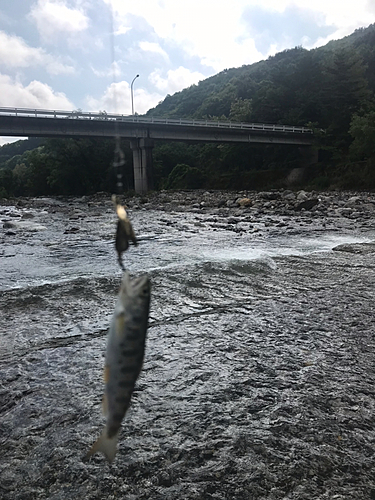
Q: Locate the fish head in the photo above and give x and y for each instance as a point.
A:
(139, 287)
(142, 287)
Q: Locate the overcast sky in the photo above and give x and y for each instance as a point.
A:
(70, 54)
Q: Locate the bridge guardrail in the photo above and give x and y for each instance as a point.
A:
(81, 115)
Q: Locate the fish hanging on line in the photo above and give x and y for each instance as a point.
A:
(124, 358)
(124, 231)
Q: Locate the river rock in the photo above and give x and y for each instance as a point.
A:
(368, 207)
(344, 211)
(27, 215)
(302, 196)
(288, 195)
(269, 195)
(353, 201)
(307, 204)
(44, 202)
(231, 203)
(356, 248)
(244, 202)
(24, 226)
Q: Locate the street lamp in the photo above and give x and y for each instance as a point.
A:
(131, 92)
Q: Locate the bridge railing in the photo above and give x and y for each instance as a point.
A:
(81, 115)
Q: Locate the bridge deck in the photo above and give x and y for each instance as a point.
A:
(46, 123)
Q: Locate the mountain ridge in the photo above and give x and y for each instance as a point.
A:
(214, 96)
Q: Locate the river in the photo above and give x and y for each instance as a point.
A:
(259, 374)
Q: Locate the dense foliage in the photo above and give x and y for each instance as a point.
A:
(330, 89)
(64, 166)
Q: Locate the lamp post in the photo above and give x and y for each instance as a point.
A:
(131, 92)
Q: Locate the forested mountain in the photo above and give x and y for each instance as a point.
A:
(295, 86)
(330, 89)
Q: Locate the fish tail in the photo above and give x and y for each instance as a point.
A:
(108, 446)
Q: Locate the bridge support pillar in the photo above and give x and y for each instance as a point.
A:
(142, 164)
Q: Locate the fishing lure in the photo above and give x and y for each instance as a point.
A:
(124, 231)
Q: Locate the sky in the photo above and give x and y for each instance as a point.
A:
(84, 54)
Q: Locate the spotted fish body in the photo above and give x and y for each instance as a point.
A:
(124, 358)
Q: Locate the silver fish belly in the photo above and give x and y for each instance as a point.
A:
(124, 358)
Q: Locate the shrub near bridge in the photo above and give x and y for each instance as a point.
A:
(185, 177)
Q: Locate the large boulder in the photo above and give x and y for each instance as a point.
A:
(244, 202)
(307, 204)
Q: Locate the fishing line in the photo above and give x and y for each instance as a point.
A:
(124, 231)
(119, 157)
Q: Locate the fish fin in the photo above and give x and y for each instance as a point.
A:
(106, 374)
(108, 446)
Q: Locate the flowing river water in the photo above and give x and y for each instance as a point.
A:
(259, 374)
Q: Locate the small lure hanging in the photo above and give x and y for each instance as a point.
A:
(124, 232)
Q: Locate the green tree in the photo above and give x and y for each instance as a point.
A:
(185, 177)
(269, 101)
(78, 166)
(6, 183)
(40, 164)
(362, 129)
(241, 110)
(167, 155)
(345, 94)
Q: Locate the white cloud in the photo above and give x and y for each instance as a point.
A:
(209, 32)
(122, 30)
(213, 32)
(54, 18)
(145, 52)
(54, 67)
(15, 53)
(114, 71)
(348, 17)
(371, 6)
(144, 100)
(117, 99)
(8, 140)
(153, 48)
(176, 80)
(35, 95)
(347, 14)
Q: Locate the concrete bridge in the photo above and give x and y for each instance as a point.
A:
(143, 131)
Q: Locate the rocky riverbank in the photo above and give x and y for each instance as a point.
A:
(350, 204)
(284, 202)
(239, 211)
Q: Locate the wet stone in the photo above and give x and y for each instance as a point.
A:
(356, 248)
(307, 204)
